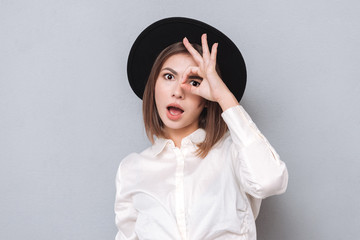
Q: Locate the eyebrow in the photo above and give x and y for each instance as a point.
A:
(175, 73)
(195, 77)
(171, 70)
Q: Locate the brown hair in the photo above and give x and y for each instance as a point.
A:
(210, 118)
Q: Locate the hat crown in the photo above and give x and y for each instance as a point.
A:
(161, 34)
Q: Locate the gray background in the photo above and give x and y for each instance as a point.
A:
(68, 116)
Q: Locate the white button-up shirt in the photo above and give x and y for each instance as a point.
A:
(167, 192)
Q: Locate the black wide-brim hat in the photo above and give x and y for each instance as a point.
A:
(165, 32)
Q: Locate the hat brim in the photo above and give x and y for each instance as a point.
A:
(165, 32)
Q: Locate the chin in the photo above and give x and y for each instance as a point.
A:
(174, 125)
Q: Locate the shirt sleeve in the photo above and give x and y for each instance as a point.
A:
(126, 214)
(257, 165)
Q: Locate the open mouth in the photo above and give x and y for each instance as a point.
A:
(174, 110)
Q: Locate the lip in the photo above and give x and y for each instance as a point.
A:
(175, 105)
(174, 117)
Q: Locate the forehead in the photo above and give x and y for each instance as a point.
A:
(180, 60)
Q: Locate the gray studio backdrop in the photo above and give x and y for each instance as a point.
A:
(68, 116)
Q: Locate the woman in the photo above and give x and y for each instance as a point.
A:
(209, 165)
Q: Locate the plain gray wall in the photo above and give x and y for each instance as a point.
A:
(68, 115)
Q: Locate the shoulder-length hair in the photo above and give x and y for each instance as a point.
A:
(210, 118)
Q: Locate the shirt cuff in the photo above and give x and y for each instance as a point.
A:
(242, 129)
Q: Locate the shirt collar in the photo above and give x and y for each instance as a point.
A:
(194, 138)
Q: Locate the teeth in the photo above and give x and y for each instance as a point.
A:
(175, 111)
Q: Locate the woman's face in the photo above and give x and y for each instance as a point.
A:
(178, 108)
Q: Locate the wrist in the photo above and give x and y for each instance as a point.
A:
(227, 101)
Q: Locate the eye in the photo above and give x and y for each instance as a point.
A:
(168, 76)
(194, 83)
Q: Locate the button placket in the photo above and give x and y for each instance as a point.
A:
(180, 201)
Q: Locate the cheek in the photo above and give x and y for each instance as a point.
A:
(200, 102)
(161, 99)
(198, 105)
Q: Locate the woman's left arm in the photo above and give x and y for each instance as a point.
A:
(256, 163)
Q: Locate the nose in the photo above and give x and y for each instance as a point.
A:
(178, 92)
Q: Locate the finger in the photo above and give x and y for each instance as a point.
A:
(186, 87)
(195, 54)
(190, 71)
(205, 47)
(191, 89)
(214, 52)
